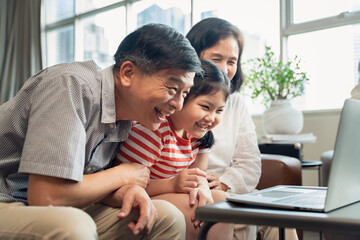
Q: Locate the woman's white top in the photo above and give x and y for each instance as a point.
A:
(235, 157)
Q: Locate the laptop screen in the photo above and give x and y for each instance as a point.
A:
(344, 179)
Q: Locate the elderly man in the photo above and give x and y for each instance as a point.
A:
(60, 133)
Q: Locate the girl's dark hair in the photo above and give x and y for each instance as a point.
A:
(208, 32)
(153, 47)
(210, 81)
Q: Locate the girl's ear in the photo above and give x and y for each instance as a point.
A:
(126, 73)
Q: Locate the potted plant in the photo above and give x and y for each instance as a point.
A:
(276, 83)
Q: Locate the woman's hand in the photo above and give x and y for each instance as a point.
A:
(188, 179)
(214, 182)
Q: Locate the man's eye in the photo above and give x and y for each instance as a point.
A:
(172, 91)
(184, 94)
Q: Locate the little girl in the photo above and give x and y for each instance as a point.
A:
(177, 152)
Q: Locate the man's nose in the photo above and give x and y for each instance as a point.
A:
(177, 102)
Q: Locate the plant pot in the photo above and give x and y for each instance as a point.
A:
(282, 118)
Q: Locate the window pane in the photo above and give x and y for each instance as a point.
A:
(259, 25)
(56, 10)
(307, 10)
(60, 46)
(170, 12)
(87, 5)
(101, 35)
(331, 59)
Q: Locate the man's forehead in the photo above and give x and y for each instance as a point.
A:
(179, 75)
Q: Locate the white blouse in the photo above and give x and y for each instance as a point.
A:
(235, 157)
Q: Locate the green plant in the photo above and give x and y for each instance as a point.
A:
(274, 80)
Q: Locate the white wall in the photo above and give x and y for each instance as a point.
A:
(323, 124)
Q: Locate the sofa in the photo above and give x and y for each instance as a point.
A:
(279, 170)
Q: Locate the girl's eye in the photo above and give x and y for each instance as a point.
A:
(205, 107)
(220, 111)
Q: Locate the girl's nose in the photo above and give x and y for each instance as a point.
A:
(210, 117)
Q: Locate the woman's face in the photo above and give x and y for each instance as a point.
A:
(224, 54)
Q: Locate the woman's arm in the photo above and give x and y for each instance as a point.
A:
(235, 157)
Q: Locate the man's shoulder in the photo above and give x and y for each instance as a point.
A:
(81, 68)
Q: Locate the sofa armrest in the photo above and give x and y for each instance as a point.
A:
(279, 170)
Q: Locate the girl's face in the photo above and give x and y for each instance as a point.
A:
(224, 54)
(199, 115)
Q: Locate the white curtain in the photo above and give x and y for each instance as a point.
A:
(20, 44)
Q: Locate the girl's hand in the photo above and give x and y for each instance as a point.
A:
(203, 194)
(188, 179)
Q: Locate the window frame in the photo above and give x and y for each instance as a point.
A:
(289, 28)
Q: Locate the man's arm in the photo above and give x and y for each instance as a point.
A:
(45, 190)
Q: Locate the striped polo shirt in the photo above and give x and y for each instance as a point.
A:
(162, 151)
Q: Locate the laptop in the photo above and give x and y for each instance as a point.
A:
(344, 179)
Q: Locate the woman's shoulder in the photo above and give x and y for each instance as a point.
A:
(236, 101)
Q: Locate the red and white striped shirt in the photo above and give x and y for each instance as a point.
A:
(163, 151)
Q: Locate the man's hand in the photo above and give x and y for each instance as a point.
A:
(135, 174)
(135, 197)
(188, 179)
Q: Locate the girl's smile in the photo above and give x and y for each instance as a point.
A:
(199, 115)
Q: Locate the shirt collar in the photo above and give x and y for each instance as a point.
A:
(108, 114)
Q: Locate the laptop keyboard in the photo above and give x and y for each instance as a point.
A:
(313, 199)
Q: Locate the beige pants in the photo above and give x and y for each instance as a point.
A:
(98, 221)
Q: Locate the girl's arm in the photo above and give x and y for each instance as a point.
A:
(160, 186)
(201, 161)
(181, 183)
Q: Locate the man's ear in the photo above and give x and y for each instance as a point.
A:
(127, 73)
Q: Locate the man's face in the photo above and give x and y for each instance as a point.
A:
(160, 95)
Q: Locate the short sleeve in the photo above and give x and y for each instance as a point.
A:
(143, 146)
(56, 137)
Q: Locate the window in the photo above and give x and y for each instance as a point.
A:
(60, 45)
(325, 34)
(308, 10)
(327, 39)
(174, 13)
(100, 35)
(78, 30)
